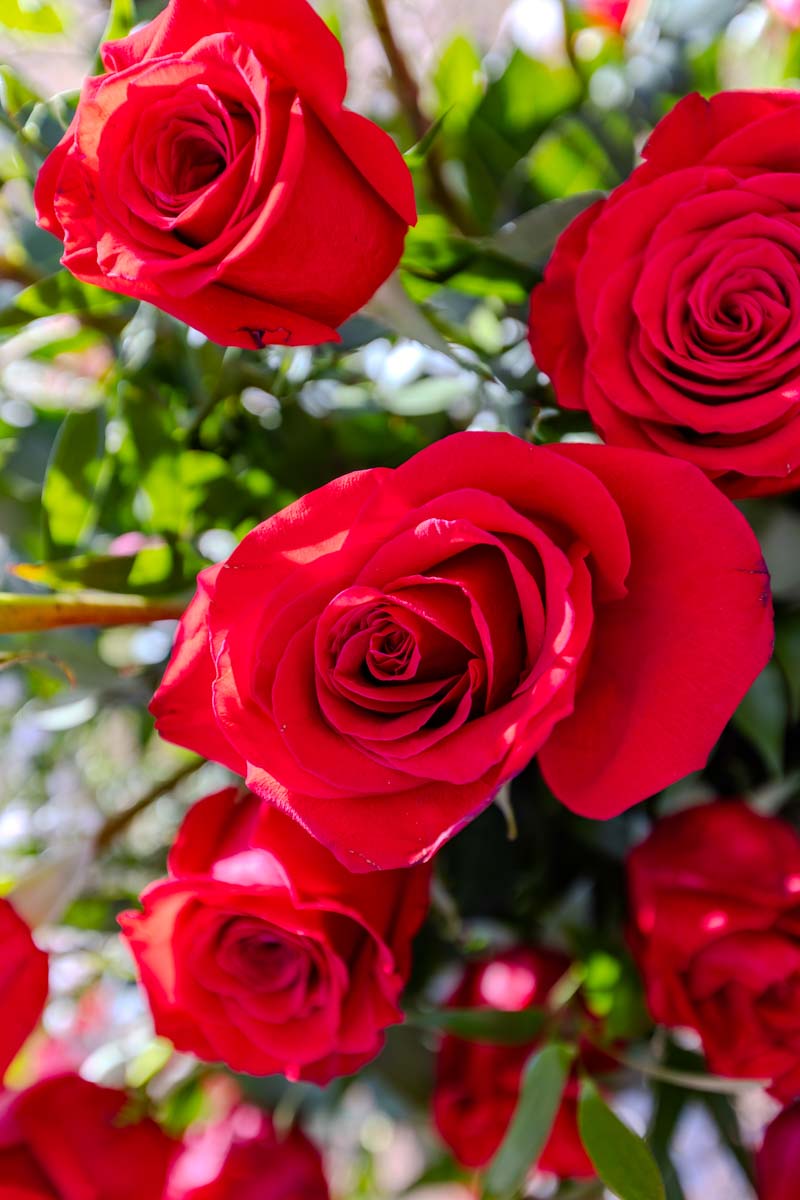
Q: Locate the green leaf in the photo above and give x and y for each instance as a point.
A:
(15, 94)
(621, 1158)
(152, 571)
(415, 155)
(787, 655)
(763, 714)
(460, 82)
(59, 293)
(483, 1024)
(77, 476)
(543, 1082)
(175, 487)
(530, 238)
(30, 16)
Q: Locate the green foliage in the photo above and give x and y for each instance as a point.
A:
(543, 1081)
(31, 16)
(483, 1024)
(74, 486)
(621, 1159)
(762, 716)
(61, 293)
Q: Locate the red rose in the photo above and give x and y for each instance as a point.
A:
(715, 901)
(66, 1139)
(671, 311)
(23, 984)
(262, 951)
(477, 1084)
(381, 656)
(778, 1160)
(242, 1158)
(611, 13)
(214, 172)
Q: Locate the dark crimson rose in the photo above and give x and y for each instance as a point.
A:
(66, 1139)
(477, 1084)
(778, 1160)
(214, 172)
(242, 1158)
(23, 984)
(263, 952)
(671, 310)
(715, 903)
(381, 656)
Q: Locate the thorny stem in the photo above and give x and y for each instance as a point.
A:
(118, 823)
(407, 91)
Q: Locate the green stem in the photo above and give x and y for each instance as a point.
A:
(407, 92)
(30, 614)
(116, 825)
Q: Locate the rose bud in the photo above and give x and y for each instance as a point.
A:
(241, 1157)
(214, 172)
(715, 908)
(477, 1084)
(23, 983)
(671, 310)
(66, 1139)
(380, 657)
(778, 1160)
(261, 951)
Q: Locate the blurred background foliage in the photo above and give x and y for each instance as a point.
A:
(133, 452)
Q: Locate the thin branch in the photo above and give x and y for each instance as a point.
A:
(407, 91)
(118, 823)
(24, 613)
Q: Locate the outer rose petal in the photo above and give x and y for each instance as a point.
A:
(696, 126)
(670, 662)
(23, 983)
(70, 1130)
(189, 676)
(778, 1160)
(243, 1158)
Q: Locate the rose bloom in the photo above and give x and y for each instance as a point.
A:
(381, 656)
(66, 1139)
(786, 11)
(610, 13)
(477, 1084)
(671, 310)
(262, 951)
(715, 906)
(214, 172)
(241, 1157)
(23, 983)
(778, 1160)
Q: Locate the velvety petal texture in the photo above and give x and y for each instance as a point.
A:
(778, 1160)
(214, 172)
(715, 912)
(66, 1139)
(261, 951)
(671, 310)
(477, 1084)
(23, 983)
(380, 657)
(242, 1157)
